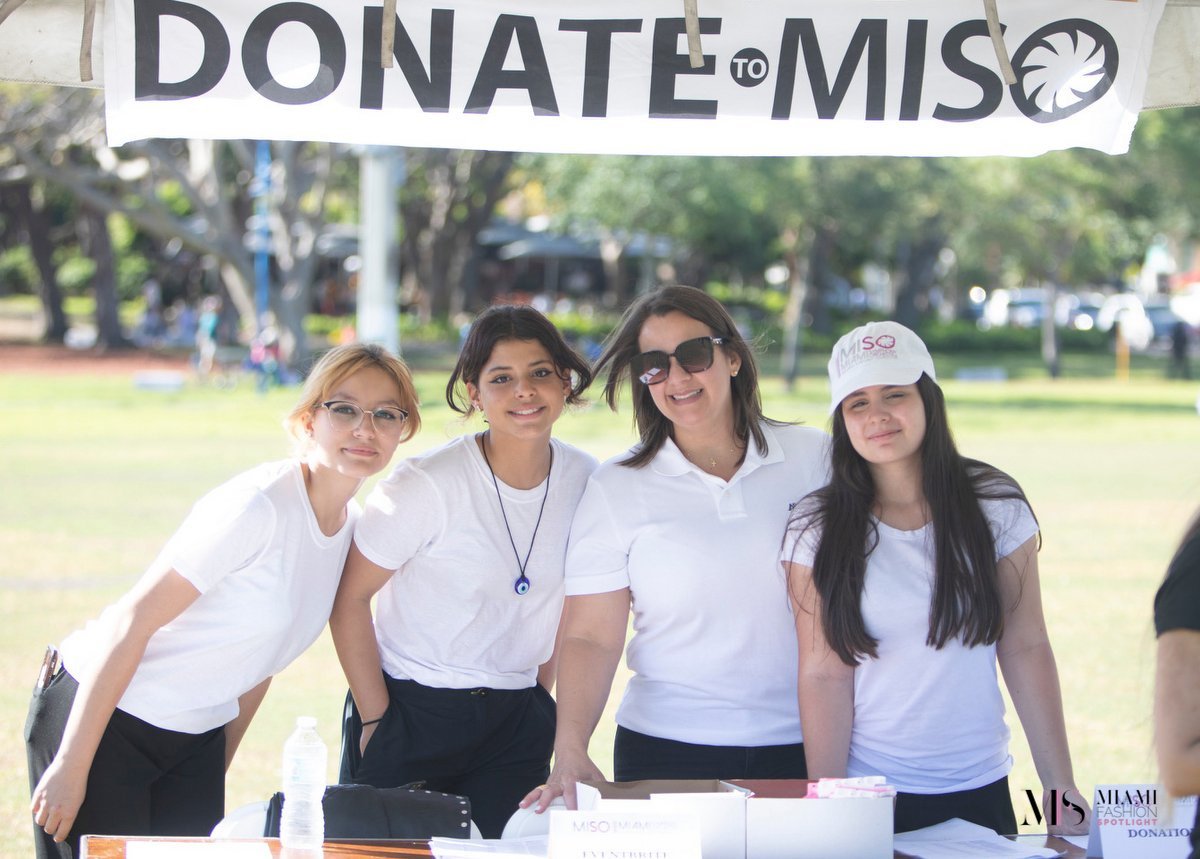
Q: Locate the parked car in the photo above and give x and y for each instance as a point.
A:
(1079, 310)
(1163, 319)
(1019, 308)
(1145, 326)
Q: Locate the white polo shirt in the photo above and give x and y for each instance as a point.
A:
(714, 646)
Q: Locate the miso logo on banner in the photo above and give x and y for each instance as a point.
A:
(777, 77)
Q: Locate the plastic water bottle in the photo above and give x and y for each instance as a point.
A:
(302, 826)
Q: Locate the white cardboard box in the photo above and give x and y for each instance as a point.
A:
(782, 824)
(718, 807)
(760, 819)
(818, 828)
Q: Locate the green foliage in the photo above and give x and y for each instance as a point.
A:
(133, 270)
(75, 273)
(764, 302)
(323, 326)
(434, 331)
(961, 336)
(175, 197)
(1073, 340)
(583, 325)
(18, 273)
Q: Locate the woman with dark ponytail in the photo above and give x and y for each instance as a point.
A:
(912, 573)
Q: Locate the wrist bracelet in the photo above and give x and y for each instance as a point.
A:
(372, 721)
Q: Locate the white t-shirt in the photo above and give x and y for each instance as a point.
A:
(930, 720)
(449, 617)
(267, 577)
(714, 645)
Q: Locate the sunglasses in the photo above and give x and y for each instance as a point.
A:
(694, 356)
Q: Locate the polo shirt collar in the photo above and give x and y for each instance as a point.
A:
(670, 461)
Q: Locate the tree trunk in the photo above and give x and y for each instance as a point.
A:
(290, 310)
(920, 273)
(793, 315)
(612, 257)
(37, 229)
(104, 283)
(816, 304)
(1050, 350)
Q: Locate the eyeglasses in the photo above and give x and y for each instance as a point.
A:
(694, 356)
(347, 416)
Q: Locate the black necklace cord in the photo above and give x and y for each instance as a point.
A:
(522, 585)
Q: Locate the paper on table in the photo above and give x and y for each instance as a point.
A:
(197, 850)
(491, 848)
(959, 839)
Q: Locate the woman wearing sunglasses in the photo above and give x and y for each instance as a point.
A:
(450, 682)
(134, 734)
(683, 530)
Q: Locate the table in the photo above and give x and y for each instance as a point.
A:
(113, 847)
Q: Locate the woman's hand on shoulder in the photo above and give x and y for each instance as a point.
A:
(566, 771)
(58, 797)
(1073, 813)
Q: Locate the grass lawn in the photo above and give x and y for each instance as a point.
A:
(95, 474)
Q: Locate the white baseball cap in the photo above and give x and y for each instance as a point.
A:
(878, 353)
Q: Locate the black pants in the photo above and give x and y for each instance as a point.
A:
(144, 780)
(990, 806)
(639, 756)
(492, 746)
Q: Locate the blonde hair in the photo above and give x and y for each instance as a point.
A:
(340, 363)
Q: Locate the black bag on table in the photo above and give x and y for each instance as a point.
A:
(363, 811)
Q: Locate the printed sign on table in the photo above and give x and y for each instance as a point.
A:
(623, 835)
(1140, 821)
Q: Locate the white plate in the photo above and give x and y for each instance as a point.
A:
(526, 823)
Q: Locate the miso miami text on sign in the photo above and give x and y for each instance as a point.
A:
(859, 77)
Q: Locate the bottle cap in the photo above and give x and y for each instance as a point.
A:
(309, 722)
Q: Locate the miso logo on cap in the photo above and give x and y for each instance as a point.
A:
(866, 348)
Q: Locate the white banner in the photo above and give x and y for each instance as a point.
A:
(780, 77)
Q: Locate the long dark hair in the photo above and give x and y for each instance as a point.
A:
(966, 592)
(513, 322)
(622, 345)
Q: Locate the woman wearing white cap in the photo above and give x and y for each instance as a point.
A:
(912, 573)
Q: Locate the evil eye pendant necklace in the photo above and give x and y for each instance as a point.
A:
(522, 584)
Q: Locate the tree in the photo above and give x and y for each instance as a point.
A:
(195, 191)
(448, 197)
(18, 198)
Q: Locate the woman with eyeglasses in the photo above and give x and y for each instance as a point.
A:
(133, 734)
(683, 530)
(464, 546)
(913, 573)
